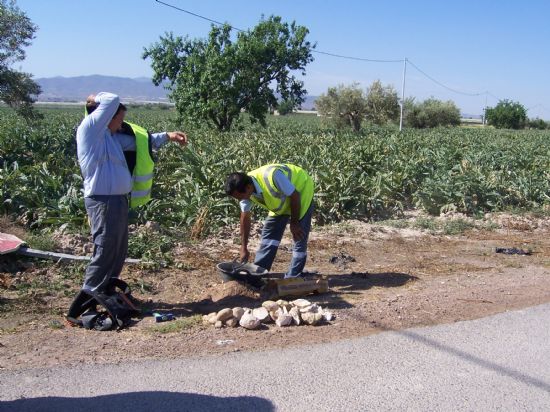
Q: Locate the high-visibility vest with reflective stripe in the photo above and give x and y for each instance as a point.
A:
(142, 179)
(276, 201)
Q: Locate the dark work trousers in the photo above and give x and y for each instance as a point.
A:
(272, 233)
(109, 223)
(108, 217)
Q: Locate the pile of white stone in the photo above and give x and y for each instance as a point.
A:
(283, 313)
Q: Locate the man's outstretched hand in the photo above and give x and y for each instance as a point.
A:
(178, 137)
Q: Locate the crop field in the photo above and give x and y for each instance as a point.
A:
(389, 264)
(372, 175)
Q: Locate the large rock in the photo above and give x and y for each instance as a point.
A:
(231, 322)
(261, 314)
(295, 313)
(224, 314)
(301, 303)
(314, 308)
(284, 304)
(270, 305)
(283, 318)
(238, 312)
(212, 318)
(249, 321)
(311, 318)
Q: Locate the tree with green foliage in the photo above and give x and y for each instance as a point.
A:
(537, 124)
(16, 32)
(215, 79)
(286, 107)
(431, 113)
(507, 115)
(344, 106)
(382, 103)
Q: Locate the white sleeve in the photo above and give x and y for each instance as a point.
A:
(100, 118)
(282, 183)
(245, 205)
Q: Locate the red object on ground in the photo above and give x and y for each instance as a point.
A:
(9, 243)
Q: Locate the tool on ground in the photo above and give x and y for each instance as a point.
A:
(163, 317)
(12, 244)
(244, 272)
(273, 284)
(512, 251)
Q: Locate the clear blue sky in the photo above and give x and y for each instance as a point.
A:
(471, 46)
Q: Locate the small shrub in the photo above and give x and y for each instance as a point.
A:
(432, 113)
(177, 325)
(151, 247)
(41, 241)
(426, 223)
(286, 107)
(396, 223)
(537, 124)
(456, 226)
(507, 115)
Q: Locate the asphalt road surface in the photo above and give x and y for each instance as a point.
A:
(496, 363)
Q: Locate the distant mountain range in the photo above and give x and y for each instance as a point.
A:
(76, 89)
(136, 90)
(140, 89)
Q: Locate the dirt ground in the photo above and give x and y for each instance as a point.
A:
(381, 278)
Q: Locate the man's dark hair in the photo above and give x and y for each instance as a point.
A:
(120, 108)
(90, 107)
(236, 182)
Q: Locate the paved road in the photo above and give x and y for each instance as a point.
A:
(496, 363)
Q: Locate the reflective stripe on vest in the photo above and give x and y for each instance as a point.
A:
(142, 179)
(276, 201)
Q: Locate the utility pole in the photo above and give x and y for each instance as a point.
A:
(403, 94)
(485, 110)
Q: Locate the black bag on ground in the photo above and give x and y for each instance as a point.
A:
(117, 301)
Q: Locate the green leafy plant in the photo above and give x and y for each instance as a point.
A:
(382, 104)
(507, 115)
(344, 106)
(371, 175)
(431, 113)
(17, 89)
(214, 79)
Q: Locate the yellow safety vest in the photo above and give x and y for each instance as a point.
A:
(142, 179)
(276, 201)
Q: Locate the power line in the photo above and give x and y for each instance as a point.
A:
(196, 15)
(486, 93)
(441, 84)
(313, 50)
(358, 58)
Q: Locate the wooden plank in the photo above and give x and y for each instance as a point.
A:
(277, 288)
(63, 257)
(300, 287)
